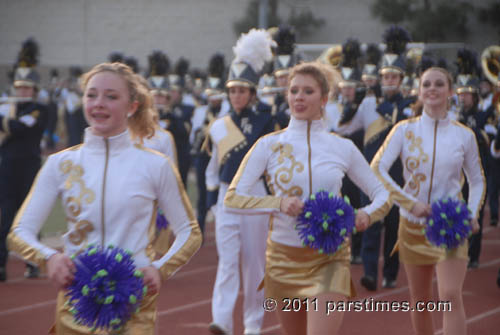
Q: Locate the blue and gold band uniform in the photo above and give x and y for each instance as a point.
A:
(347, 106)
(467, 84)
(180, 115)
(202, 119)
(22, 125)
(378, 117)
(285, 57)
(241, 239)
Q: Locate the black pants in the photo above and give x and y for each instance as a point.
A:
(475, 239)
(16, 177)
(493, 180)
(200, 163)
(184, 160)
(75, 126)
(354, 194)
(370, 249)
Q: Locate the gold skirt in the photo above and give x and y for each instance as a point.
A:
(414, 248)
(294, 272)
(141, 323)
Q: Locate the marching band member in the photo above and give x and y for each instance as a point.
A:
(467, 89)
(239, 237)
(377, 119)
(182, 114)
(203, 118)
(22, 125)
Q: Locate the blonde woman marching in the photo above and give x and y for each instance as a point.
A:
(299, 161)
(109, 195)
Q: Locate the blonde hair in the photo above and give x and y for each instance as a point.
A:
(418, 106)
(443, 71)
(322, 73)
(141, 123)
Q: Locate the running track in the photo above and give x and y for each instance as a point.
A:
(27, 306)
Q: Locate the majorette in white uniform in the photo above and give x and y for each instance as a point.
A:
(434, 154)
(110, 189)
(299, 161)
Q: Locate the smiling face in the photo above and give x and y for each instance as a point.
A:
(107, 104)
(435, 90)
(305, 98)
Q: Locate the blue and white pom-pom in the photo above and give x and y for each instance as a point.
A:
(107, 288)
(325, 222)
(161, 221)
(449, 224)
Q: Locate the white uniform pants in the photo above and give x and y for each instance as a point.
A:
(239, 238)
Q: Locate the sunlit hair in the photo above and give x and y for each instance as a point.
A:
(418, 106)
(141, 124)
(439, 69)
(320, 72)
(146, 100)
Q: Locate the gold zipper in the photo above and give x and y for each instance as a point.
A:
(309, 155)
(433, 161)
(103, 231)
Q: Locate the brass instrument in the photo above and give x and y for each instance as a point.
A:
(332, 56)
(415, 54)
(490, 62)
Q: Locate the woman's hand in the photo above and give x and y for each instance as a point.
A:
(61, 269)
(421, 210)
(292, 206)
(362, 221)
(475, 226)
(151, 279)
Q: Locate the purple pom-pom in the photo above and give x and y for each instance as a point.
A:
(325, 222)
(449, 224)
(107, 288)
(161, 221)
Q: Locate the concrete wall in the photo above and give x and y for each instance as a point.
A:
(84, 32)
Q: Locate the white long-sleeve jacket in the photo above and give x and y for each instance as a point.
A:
(434, 153)
(110, 189)
(162, 141)
(299, 161)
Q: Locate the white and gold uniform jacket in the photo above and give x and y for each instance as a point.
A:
(110, 189)
(299, 161)
(434, 153)
(162, 141)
